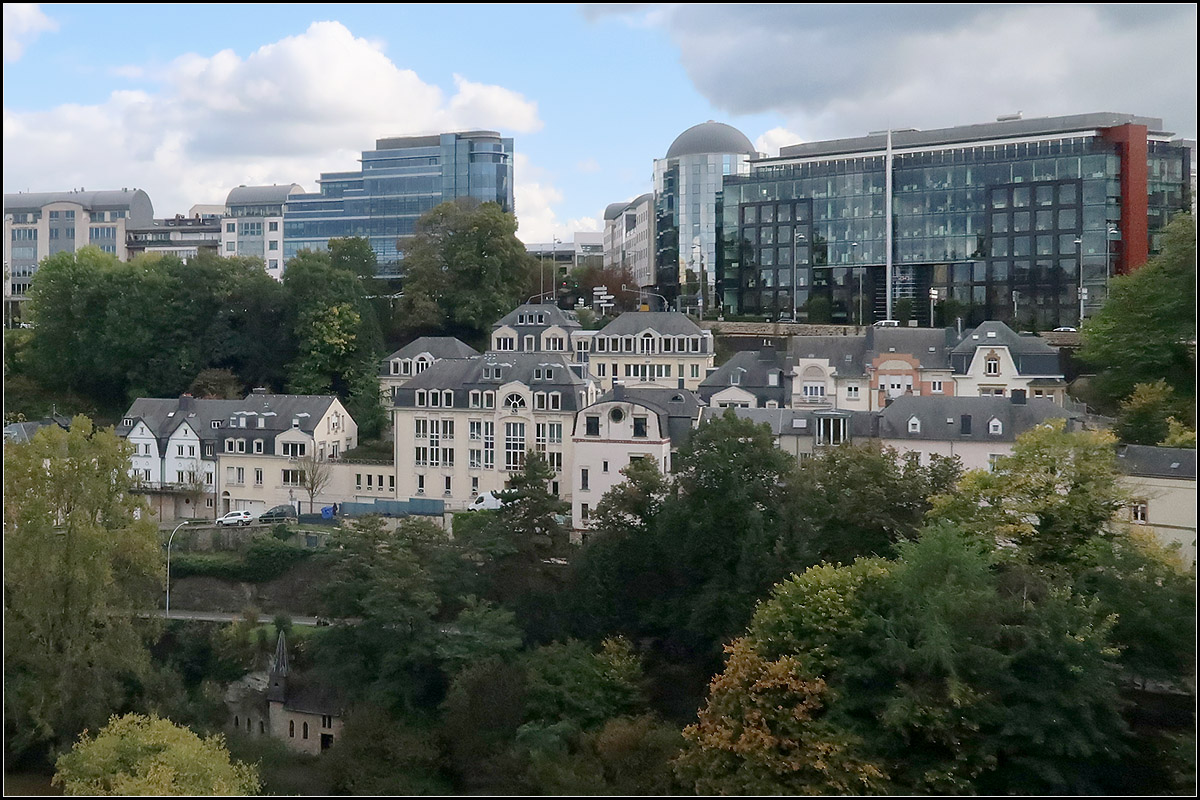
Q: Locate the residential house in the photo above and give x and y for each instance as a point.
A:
(540, 328)
(995, 360)
(622, 426)
(652, 347)
(749, 379)
(414, 358)
(463, 426)
(1162, 485)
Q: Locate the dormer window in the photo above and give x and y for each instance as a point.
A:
(995, 427)
(262, 422)
(128, 422)
(448, 399)
(216, 423)
(914, 425)
(735, 377)
(395, 367)
(476, 398)
(489, 399)
(420, 398)
(773, 379)
(295, 422)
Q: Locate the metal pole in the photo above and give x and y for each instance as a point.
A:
(796, 240)
(887, 214)
(1108, 232)
(170, 539)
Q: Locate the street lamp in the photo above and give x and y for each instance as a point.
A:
(1079, 266)
(800, 237)
(169, 540)
(1108, 256)
(933, 296)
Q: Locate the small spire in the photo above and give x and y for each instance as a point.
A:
(279, 666)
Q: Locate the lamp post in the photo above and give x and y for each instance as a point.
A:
(1108, 256)
(933, 296)
(797, 239)
(1016, 294)
(169, 540)
(1079, 266)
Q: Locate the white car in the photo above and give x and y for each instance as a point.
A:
(1065, 329)
(486, 500)
(236, 518)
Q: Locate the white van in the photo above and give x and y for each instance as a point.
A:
(485, 501)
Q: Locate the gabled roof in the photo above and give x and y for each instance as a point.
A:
(164, 416)
(932, 413)
(930, 346)
(1157, 462)
(1031, 354)
(462, 375)
(437, 346)
(670, 323)
(754, 369)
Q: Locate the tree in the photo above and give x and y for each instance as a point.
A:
(139, 755)
(1178, 435)
(1144, 331)
(315, 475)
(933, 673)
(464, 269)
(820, 309)
(1144, 415)
(902, 309)
(221, 384)
(79, 564)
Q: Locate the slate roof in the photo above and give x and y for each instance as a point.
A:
(930, 346)
(933, 413)
(163, 416)
(847, 354)
(22, 432)
(1032, 355)
(783, 421)
(677, 409)
(754, 369)
(440, 347)
(1157, 462)
(554, 316)
(670, 323)
(462, 375)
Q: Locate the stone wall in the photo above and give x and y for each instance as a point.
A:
(295, 593)
(765, 329)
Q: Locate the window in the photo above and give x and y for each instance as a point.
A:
(306, 730)
(583, 479)
(584, 512)
(1140, 511)
(292, 728)
(489, 399)
(216, 423)
(476, 398)
(555, 401)
(420, 398)
(448, 492)
(991, 366)
(994, 461)
(935, 387)
(420, 484)
(514, 402)
(695, 371)
(293, 477)
(852, 391)
(447, 399)
(229, 445)
(489, 445)
(639, 427)
(180, 449)
(593, 426)
(258, 476)
(272, 227)
(326, 719)
(293, 449)
(539, 401)
(475, 459)
(995, 427)
(914, 425)
(258, 446)
(813, 390)
(514, 446)
(241, 445)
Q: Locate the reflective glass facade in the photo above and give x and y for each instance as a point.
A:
(999, 226)
(400, 180)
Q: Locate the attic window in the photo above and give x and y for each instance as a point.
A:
(933, 349)
(991, 334)
(1174, 465)
(127, 421)
(295, 422)
(995, 427)
(216, 423)
(914, 425)
(891, 349)
(848, 357)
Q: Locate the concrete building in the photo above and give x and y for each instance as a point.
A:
(1162, 484)
(688, 186)
(414, 358)
(1014, 220)
(629, 238)
(651, 347)
(253, 224)
(179, 236)
(749, 379)
(624, 425)
(401, 179)
(463, 426)
(41, 224)
(541, 328)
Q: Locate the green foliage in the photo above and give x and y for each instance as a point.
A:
(1178, 435)
(628, 756)
(465, 268)
(1145, 330)
(820, 309)
(941, 672)
(484, 707)
(569, 683)
(138, 755)
(1053, 494)
(1144, 415)
(481, 632)
(219, 383)
(78, 563)
(264, 560)
(902, 310)
(379, 754)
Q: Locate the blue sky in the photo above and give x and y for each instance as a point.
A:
(188, 101)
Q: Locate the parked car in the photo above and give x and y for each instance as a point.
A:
(1065, 329)
(888, 323)
(236, 518)
(486, 500)
(284, 513)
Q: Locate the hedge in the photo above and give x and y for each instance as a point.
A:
(265, 559)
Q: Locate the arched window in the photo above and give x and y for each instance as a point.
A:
(262, 728)
(991, 365)
(306, 730)
(514, 402)
(237, 721)
(292, 728)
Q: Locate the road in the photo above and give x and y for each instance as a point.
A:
(220, 616)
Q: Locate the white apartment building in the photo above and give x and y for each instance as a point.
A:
(253, 224)
(629, 238)
(541, 328)
(463, 426)
(651, 348)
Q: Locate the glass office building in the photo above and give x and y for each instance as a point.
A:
(401, 179)
(997, 217)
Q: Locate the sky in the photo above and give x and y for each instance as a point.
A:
(189, 101)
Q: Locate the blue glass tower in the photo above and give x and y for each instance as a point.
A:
(401, 179)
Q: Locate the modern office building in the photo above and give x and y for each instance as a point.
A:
(557, 259)
(40, 224)
(687, 188)
(997, 217)
(629, 241)
(401, 179)
(253, 224)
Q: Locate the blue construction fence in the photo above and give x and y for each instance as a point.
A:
(416, 507)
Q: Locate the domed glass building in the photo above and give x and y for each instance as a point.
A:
(687, 186)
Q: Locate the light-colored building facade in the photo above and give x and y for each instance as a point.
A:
(413, 359)
(629, 239)
(41, 224)
(463, 426)
(994, 360)
(1161, 482)
(540, 328)
(622, 426)
(651, 348)
(253, 224)
(179, 236)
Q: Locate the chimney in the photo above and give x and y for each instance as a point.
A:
(1018, 397)
(618, 390)
(185, 402)
(259, 390)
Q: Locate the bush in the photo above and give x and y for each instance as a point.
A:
(265, 559)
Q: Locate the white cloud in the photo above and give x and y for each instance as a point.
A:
(290, 110)
(772, 140)
(23, 23)
(536, 198)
